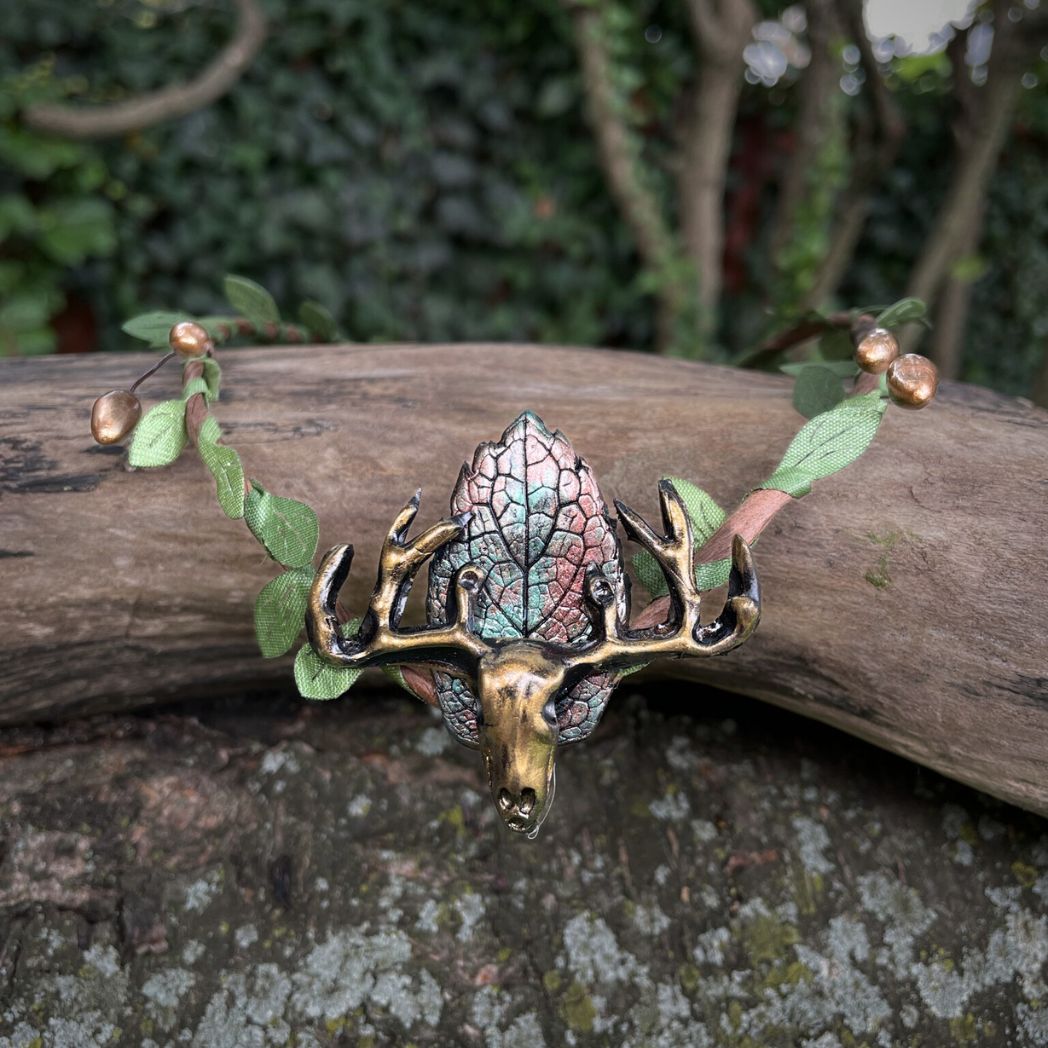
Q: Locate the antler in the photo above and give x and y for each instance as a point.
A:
(379, 638)
(683, 635)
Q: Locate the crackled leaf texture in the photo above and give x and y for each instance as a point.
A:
(537, 523)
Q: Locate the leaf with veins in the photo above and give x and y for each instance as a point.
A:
(537, 523)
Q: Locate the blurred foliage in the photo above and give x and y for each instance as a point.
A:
(425, 171)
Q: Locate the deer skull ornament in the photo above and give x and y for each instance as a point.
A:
(528, 608)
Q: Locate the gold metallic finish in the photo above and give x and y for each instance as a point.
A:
(912, 381)
(114, 415)
(876, 350)
(189, 339)
(518, 680)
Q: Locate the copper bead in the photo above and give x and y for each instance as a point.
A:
(114, 415)
(912, 380)
(876, 350)
(189, 339)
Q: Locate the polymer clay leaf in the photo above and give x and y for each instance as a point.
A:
(280, 611)
(317, 679)
(287, 528)
(160, 436)
(537, 523)
(828, 443)
(225, 466)
(251, 299)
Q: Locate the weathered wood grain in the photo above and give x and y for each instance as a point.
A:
(906, 600)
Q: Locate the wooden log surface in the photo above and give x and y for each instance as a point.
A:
(906, 599)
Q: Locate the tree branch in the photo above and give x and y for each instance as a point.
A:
(719, 36)
(637, 202)
(167, 103)
(878, 139)
(817, 88)
(979, 145)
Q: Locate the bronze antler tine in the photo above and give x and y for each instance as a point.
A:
(322, 625)
(636, 527)
(742, 609)
(742, 582)
(398, 531)
(672, 551)
(675, 517)
(379, 640)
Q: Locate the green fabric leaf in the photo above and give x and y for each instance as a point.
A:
(213, 378)
(318, 321)
(905, 311)
(828, 443)
(317, 679)
(251, 299)
(225, 467)
(712, 574)
(195, 386)
(160, 436)
(153, 328)
(816, 390)
(705, 516)
(280, 611)
(288, 529)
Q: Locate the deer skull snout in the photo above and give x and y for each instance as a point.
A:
(517, 687)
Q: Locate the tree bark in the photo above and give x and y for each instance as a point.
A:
(720, 29)
(983, 125)
(818, 86)
(878, 137)
(620, 159)
(951, 311)
(905, 599)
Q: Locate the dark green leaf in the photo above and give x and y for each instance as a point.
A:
(318, 321)
(836, 345)
(905, 311)
(816, 390)
(251, 299)
(280, 611)
(288, 529)
(74, 228)
(841, 368)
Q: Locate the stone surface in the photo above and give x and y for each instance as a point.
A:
(713, 872)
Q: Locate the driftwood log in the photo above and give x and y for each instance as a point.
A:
(906, 599)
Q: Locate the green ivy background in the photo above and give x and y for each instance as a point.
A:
(425, 171)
